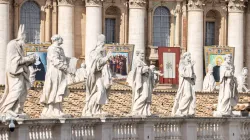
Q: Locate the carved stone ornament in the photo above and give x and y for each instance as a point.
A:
(48, 5)
(66, 2)
(236, 5)
(178, 8)
(94, 2)
(195, 4)
(137, 4)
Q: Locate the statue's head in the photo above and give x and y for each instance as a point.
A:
(21, 36)
(57, 39)
(228, 58)
(100, 40)
(141, 55)
(186, 56)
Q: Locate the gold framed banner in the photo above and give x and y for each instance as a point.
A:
(121, 60)
(215, 55)
(40, 51)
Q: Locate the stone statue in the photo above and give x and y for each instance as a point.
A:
(33, 75)
(81, 73)
(72, 62)
(228, 94)
(55, 85)
(209, 83)
(130, 74)
(17, 77)
(143, 82)
(184, 104)
(98, 80)
(242, 81)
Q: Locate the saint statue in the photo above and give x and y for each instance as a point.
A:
(209, 83)
(142, 83)
(184, 104)
(228, 94)
(55, 85)
(98, 81)
(81, 73)
(16, 78)
(242, 81)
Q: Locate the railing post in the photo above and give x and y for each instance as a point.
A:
(146, 131)
(62, 131)
(21, 131)
(189, 129)
(104, 130)
(231, 130)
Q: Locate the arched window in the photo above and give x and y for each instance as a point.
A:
(30, 17)
(161, 26)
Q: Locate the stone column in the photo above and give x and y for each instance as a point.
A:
(177, 25)
(247, 49)
(137, 15)
(48, 29)
(66, 25)
(236, 32)
(189, 129)
(93, 25)
(195, 39)
(4, 36)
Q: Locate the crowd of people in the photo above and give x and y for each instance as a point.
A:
(118, 64)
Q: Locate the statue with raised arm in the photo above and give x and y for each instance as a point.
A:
(142, 82)
(55, 85)
(16, 78)
(98, 80)
(228, 93)
(209, 83)
(242, 81)
(184, 104)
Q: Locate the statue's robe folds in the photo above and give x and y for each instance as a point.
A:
(55, 85)
(209, 83)
(242, 83)
(98, 83)
(16, 79)
(228, 94)
(184, 104)
(142, 85)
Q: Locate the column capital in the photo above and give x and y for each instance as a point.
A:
(93, 2)
(137, 3)
(236, 5)
(178, 8)
(66, 2)
(195, 5)
(48, 4)
(4, 1)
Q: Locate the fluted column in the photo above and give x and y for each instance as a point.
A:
(195, 38)
(93, 25)
(177, 25)
(66, 25)
(48, 29)
(236, 32)
(137, 15)
(4, 36)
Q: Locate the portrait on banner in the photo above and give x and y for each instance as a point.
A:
(120, 62)
(214, 55)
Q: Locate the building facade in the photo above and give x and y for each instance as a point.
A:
(188, 24)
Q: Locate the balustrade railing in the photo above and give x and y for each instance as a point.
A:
(129, 129)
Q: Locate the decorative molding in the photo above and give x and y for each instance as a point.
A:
(195, 4)
(4, 1)
(178, 8)
(137, 3)
(236, 5)
(94, 2)
(48, 5)
(213, 2)
(66, 2)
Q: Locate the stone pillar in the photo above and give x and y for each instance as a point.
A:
(66, 25)
(189, 129)
(16, 19)
(48, 29)
(4, 36)
(93, 25)
(231, 130)
(236, 32)
(137, 15)
(247, 49)
(104, 131)
(195, 39)
(177, 25)
(146, 131)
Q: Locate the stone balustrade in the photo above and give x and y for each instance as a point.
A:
(131, 128)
